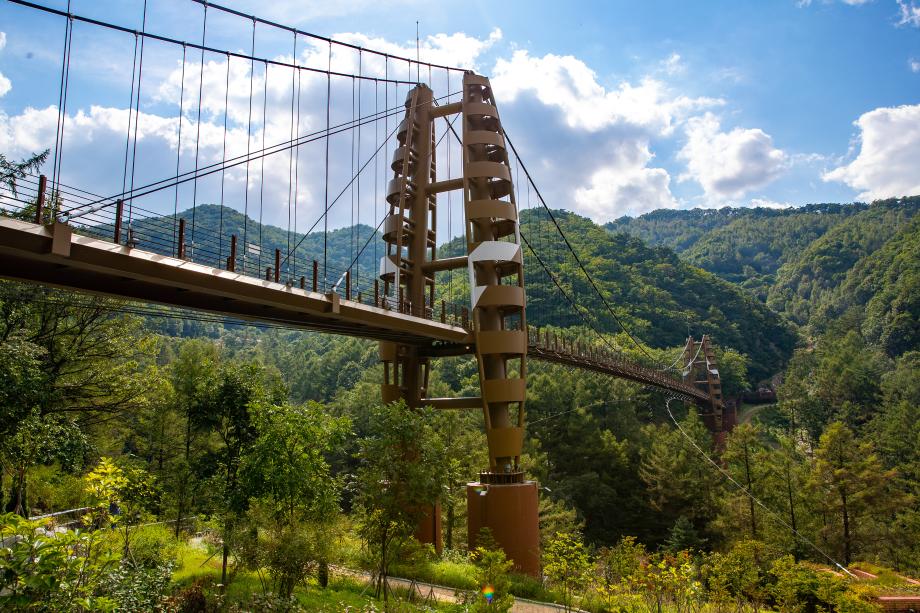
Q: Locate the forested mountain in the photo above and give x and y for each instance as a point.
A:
(659, 296)
(681, 230)
(812, 283)
(811, 263)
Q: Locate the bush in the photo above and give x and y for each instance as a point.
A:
(153, 546)
(52, 570)
(138, 588)
(526, 586)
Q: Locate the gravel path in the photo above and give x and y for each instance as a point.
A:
(448, 594)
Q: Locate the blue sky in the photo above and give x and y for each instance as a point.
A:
(618, 107)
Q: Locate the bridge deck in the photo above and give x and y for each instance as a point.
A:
(617, 368)
(55, 256)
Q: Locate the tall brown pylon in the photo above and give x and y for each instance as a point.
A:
(702, 370)
(502, 500)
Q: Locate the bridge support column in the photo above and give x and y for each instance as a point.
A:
(510, 512)
(409, 233)
(702, 371)
(502, 500)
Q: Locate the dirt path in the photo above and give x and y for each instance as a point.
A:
(447, 594)
(747, 416)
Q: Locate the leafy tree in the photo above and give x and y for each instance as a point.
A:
(739, 575)
(39, 440)
(286, 470)
(11, 172)
(670, 578)
(567, 566)
(46, 570)
(82, 362)
(684, 536)
(785, 491)
(122, 497)
(223, 409)
(744, 459)
(618, 568)
(492, 575)
(397, 479)
(855, 487)
(464, 445)
(193, 372)
(680, 482)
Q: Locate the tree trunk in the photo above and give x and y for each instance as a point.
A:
(791, 499)
(223, 566)
(450, 523)
(322, 573)
(747, 474)
(846, 528)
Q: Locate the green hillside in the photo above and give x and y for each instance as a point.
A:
(681, 230)
(808, 283)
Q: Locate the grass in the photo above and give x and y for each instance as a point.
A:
(449, 573)
(197, 565)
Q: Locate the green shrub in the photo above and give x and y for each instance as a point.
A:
(526, 586)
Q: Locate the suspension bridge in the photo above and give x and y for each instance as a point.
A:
(415, 140)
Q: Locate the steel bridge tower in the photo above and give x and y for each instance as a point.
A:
(502, 500)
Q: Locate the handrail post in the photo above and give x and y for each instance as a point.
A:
(348, 285)
(315, 275)
(277, 265)
(180, 248)
(231, 261)
(119, 211)
(376, 292)
(40, 202)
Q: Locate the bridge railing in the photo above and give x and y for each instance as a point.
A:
(547, 345)
(172, 235)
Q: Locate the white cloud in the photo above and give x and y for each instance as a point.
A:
(910, 13)
(729, 164)
(568, 84)
(2, 40)
(457, 49)
(914, 65)
(593, 142)
(804, 3)
(672, 65)
(625, 185)
(886, 165)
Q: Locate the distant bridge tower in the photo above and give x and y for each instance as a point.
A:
(702, 370)
(502, 500)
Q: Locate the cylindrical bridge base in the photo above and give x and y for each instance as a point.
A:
(428, 529)
(510, 512)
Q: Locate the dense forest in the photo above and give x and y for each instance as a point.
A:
(239, 467)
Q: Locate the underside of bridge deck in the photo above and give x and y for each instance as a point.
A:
(54, 255)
